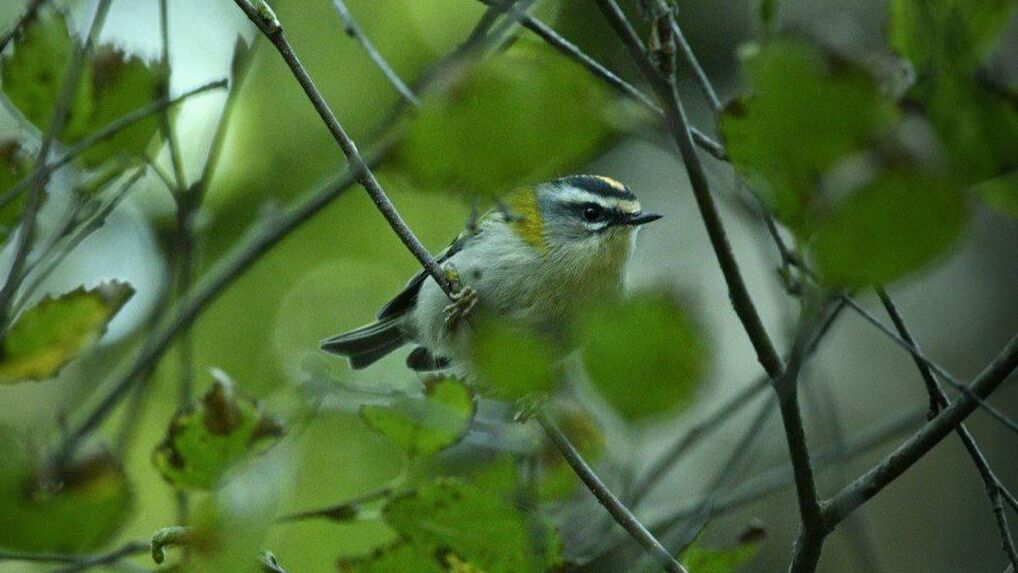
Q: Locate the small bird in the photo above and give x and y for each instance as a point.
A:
(542, 256)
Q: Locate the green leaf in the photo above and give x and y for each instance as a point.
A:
(111, 85)
(33, 74)
(461, 524)
(40, 511)
(427, 425)
(947, 36)
(398, 557)
(1001, 193)
(519, 116)
(208, 438)
(50, 334)
(513, 362)
(724, 560)
(14, 166)
(805, 114)
(894, 225)
(645, 355)
(948, 41)
(120, 84)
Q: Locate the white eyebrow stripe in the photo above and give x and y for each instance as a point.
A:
(569, 194)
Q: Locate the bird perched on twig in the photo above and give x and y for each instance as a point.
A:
(548, 251)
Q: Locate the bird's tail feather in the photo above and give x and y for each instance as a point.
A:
(367, 344)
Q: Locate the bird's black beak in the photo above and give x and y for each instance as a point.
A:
(641, 219)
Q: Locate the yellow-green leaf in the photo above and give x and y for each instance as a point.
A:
(645, 355)
(208, 438)
(79, 509)
(33, 74)
(120, 84)
(50, 334)
(426, 425)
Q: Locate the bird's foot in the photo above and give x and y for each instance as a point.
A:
(463, 301)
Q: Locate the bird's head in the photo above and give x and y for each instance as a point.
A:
(581, 216)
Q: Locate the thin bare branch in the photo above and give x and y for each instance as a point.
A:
(777, 478)
(679, 125)
(713, 421)
(353, 30)
(77, 562)
(902, 458)
(267, 23)
(606, 498)
(936, 368)
(991, 483)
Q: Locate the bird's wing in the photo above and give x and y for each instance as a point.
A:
(407, 298)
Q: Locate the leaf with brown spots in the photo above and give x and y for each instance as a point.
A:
(208, 438)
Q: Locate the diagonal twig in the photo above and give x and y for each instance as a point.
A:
(991, 483)
(573, 52)
(904, 456)
(267, 23)
(606, 498)
(353, 30)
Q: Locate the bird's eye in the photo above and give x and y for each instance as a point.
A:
(592, 212)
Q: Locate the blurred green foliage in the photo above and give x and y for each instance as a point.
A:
(424, 426)
(870, 199)
(458, 524)
(512, 363)
(645, 355)
(78, 510)
(459, 140)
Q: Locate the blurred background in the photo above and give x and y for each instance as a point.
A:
(337, 269)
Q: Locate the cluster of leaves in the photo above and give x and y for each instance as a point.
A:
(46, 335)
(882, 186)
